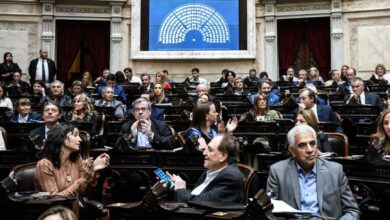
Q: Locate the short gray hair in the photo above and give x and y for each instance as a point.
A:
(358, 80)
(299, 129)
(141, 99)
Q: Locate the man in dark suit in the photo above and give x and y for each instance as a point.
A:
(42, 68)
(303, 79)
(144, 132)
(222, 182)
(359, 96)
(322, 112)
(309, 183)
(51, 116)
(346, 87)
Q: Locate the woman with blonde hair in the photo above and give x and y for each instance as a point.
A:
(308, 117)
(314, 75)
(158, 95)
(87, 79)
(260, 111)
(58, 213)
(380, 77)
(161, 78)
(83, 111)
(380, 141)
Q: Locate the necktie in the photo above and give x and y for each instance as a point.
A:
(43, 71)
(359, 101)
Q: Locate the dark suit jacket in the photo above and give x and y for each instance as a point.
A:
(39, 133)
(227, 186)
(325, 113)
(370, 99)
(14, 67)
(32, 70)
(31, 116)
(163, 138)
(323, 143)
(333, 192)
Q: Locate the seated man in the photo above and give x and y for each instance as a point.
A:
(303, 79)
(57, 95)
(309, 183)
(322, 112)
(359, 96)
(51, 116)
(144, 132)
(320, 101)
(290, 75)
(265, 88)
(239, 87)
(222, 182)
(118, 89)
(109, 101)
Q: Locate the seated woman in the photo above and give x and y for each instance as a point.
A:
(229, 79)
(380, 141)
(158, 95)
(222, 182)
(260, 111)
(58, 213)
(23, 113)
(203, 125)
(83, 111)
(87, 80)
(307, 117)
(161, 78)
(315, 76)
(61, 171)
(2, 143)
(380, 77)
(4, 100)
(22, 86)
(38, 89)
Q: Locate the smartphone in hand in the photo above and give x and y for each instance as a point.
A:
(162, 176)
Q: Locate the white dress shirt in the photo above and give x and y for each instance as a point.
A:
(209, 177)
(38, 75)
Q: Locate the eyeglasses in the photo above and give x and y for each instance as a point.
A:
(140, 109)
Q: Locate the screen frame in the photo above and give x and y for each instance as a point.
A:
(138, 54)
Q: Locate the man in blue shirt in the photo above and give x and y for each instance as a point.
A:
(118, 89)
(265, 88)
(309, 183)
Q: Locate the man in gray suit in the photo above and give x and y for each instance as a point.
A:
(309, 183)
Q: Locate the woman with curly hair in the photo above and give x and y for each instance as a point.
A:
(61, 171)
(83, 111)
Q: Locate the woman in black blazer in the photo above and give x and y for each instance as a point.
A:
(7, 68)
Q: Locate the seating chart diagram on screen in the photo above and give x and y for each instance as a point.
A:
(193, 25)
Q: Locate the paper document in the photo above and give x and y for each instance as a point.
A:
(281, 207)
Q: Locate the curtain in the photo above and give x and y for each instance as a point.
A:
(318, 35)
(69, 38)
(289, 37)
(98, 42)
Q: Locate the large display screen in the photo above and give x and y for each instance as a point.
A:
(193, 25)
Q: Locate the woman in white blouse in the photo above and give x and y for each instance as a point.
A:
(4, 100)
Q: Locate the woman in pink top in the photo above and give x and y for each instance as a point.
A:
(61, 171)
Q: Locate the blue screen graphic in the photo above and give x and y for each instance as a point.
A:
(192, 25)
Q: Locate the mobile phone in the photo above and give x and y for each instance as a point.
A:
(164, 178)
